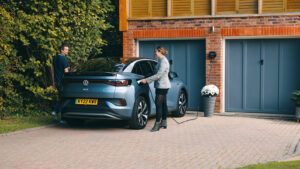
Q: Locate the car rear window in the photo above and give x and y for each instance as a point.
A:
(101, 65)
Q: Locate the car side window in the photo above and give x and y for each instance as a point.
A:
(146, 68)
(153, 65)
(137, 69)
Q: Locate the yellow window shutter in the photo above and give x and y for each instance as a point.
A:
(148, 8)
(139, 8)
(273, 6)
(225, 7)
(202, 7)
(248, 7)
(293, 5)
(159, 8)
(181, 8)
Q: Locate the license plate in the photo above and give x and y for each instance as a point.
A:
(86, 101)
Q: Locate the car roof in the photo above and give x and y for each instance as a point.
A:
(127, 60)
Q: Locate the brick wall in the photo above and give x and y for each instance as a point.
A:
(264, 26)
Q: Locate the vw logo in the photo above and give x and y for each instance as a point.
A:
(85, 83)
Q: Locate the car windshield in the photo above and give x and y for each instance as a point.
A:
(101, 65)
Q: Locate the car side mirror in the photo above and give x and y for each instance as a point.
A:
(172, 75)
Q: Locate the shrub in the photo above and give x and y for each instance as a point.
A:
(30, 35)
(296, 97)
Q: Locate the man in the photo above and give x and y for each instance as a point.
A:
(60, 66)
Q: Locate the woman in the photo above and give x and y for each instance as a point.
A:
(162, 85)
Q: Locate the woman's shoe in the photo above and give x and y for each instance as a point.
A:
(156, 126)
(163, 124)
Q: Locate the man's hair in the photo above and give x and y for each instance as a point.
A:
(62, 47)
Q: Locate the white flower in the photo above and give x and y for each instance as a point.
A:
(210, 90)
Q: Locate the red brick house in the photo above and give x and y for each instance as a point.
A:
(256, 42)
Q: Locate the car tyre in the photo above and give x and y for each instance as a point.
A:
(181, 104)
(140, 113)
(75, 122)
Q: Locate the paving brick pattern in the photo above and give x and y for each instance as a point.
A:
(215, 142)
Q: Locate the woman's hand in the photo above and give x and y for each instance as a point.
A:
(144, 81)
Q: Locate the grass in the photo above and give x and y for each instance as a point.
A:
(15, 123)
(275, 165)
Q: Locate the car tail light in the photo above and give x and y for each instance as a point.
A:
(109, 82)
(119, 82)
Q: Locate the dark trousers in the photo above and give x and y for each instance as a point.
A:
(57, 105)
(161, 104)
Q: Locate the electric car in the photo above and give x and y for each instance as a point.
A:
(106, 88)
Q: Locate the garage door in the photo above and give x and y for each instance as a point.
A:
(261, 75)
(188, 59)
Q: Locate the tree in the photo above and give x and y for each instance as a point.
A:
(112, 35)
(31, 33)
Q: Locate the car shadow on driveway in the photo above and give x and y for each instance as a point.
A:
(96, 124)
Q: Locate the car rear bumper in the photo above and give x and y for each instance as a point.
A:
(96, 115)
(104, 110)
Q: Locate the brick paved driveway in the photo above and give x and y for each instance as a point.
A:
(222, 141)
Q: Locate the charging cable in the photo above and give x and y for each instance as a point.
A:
(197, 115)
(140, 83)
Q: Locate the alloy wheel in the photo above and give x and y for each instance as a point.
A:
(142, 112)
(182, 103)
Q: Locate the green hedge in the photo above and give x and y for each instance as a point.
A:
(31, 33)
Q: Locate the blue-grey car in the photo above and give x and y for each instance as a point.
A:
(108, 89)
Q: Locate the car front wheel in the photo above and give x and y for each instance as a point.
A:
(181, 105)
(140, 114)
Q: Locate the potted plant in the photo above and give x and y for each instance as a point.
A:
(296, 99)
(209, 93)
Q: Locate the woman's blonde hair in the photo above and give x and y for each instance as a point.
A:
(162, 50)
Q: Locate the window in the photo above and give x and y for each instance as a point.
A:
(273, 6)
(159, 8)
(248, 7)
(153, 65)
(146, 68)
(293, 6)
(278, 6)
(202, 7)
(190, 7)
(101, 65)
(137, 69)
(236, 6)
(148, 8)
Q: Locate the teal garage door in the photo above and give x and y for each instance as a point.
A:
(261, 75)
(188, 60)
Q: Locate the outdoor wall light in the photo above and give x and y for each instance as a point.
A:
(212, 54)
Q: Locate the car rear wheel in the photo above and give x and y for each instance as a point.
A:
(140, 114)
(181, 105)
